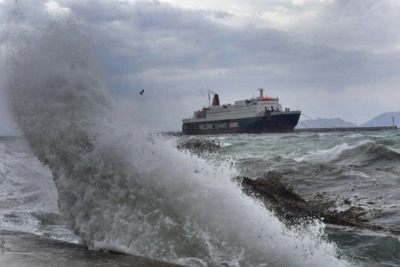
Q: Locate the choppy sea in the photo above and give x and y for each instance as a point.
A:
(359, 167)
(353, 169)
(88, 171)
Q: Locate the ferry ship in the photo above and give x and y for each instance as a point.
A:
(262, 114)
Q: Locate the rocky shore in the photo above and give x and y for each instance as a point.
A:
(285, 203)
(18, 249)
(199, 146)
(292, 208)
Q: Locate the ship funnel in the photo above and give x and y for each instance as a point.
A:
(215, 101)
(261, 92)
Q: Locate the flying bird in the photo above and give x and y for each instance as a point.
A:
(141, 92)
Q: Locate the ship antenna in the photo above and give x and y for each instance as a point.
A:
(261, 92)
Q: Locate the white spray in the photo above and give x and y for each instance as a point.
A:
(123, 190)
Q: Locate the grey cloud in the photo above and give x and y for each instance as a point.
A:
(357, 25)
(334, 50)
(157, 35)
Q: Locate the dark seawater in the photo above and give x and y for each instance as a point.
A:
(87, 171)
(359, 169)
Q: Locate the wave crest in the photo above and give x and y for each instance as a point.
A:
(120, 188)
(363, 154)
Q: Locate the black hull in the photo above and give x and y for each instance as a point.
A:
(275, 123)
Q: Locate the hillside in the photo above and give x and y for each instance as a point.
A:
(385, 119)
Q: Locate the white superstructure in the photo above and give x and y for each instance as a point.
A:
(253, 107)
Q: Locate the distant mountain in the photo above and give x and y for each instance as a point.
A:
(324, 123)
(385, 119)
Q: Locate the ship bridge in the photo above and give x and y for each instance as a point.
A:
(249, 108)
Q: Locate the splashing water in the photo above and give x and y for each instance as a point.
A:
(124, 190)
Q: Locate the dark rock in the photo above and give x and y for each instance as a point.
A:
(292, 209)
(199, 146)
(286, 204)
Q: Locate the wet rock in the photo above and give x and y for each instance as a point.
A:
(291, 208)
(199, 146)
(286, 204)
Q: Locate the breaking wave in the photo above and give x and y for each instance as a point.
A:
(121, 188)
(362, 154)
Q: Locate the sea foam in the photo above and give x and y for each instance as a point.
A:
(123, 189)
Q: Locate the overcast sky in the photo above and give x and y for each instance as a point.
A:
(327, 58)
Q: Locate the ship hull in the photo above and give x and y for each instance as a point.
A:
(274, 123)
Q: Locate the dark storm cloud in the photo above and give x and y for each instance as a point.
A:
(150, 35)
(328, 46)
